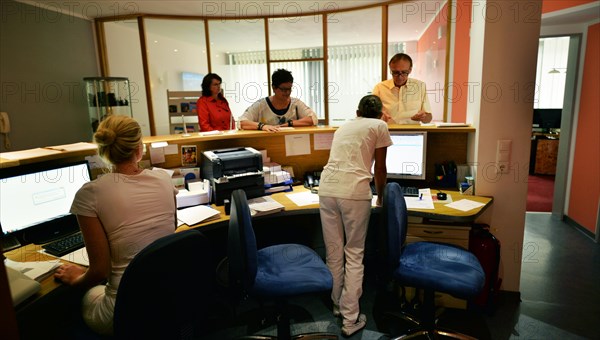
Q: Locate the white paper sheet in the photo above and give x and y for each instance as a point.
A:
(79, 256)
(424, 201)
(296, 145)
(74, 147)
(197, 214)
(464, 205)
(36, 270)
(264, 205)
(157, 155)
(304, 198)
(323, 141)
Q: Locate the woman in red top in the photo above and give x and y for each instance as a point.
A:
(213, 109)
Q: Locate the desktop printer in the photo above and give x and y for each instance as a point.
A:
(231, 169)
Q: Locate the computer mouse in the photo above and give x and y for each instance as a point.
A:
(442, 196)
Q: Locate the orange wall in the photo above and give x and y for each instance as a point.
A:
(462, 43)
(585, 185)
(556, 5)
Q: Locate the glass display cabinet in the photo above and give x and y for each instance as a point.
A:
(107, 96)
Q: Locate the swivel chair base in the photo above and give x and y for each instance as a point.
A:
(283, 328)
(433, 334)
(305, 336)
(426, 327)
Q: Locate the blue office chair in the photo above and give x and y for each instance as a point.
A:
(432, 267)
(273, 273)
(165, 290)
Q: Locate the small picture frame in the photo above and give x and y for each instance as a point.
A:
(189, 155)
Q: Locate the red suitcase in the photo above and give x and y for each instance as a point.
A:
(486, 247)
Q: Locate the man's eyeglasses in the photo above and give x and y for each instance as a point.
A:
(285, 89)
(400, 73)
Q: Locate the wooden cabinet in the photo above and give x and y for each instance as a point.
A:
(545, 156)
(182, 108)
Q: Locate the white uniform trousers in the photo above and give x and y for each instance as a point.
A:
(341, 217)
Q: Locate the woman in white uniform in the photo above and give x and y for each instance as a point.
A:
(345, 204)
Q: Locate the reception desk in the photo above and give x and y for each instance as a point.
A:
(47, 313)
(56, 305)
(443, 144)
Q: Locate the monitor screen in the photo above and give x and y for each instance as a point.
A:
(547, 118)
(406, 156)
(38, 198)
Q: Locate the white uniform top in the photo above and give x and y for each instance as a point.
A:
(260, 112)
(348, 171)
(403, 102)
(134, 210)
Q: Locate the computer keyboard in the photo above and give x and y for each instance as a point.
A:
(65, 245)
(407, 191)
(410, 191)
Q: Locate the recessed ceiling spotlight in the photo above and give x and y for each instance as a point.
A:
(175, 50)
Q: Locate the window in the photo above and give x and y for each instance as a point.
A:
(176, 58)
(354, 61)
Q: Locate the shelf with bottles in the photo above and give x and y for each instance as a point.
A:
(107, 96)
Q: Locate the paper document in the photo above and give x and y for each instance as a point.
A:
(211, 133)
(464, 205)
(79, 256)
(197, 214)
(37, 270)
(264, 205)
(449, 124)
(304, 198)
(424, 201)
(74, 147)
(297, 145)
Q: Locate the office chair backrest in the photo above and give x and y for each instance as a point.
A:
(394, 222)
(165, 290)
(241, 244)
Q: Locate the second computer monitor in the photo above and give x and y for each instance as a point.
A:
(406, 157)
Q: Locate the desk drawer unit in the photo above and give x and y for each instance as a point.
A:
(455, 235)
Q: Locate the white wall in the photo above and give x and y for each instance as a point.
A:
(508, 66)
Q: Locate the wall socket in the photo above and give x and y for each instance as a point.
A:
(503, 151)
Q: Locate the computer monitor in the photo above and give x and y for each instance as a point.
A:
(35, 200)
(406, 156)
(547, 118)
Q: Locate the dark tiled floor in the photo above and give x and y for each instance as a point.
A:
(560, 297)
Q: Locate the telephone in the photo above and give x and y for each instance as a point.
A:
(4, 123)
(311, 180)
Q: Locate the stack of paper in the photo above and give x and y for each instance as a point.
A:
(197, 214)
(449, 124)
(37, 270)
(264, 205)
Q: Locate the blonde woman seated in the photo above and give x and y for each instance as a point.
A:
(119, 214)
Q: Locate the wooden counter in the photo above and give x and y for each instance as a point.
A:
(443, 144)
